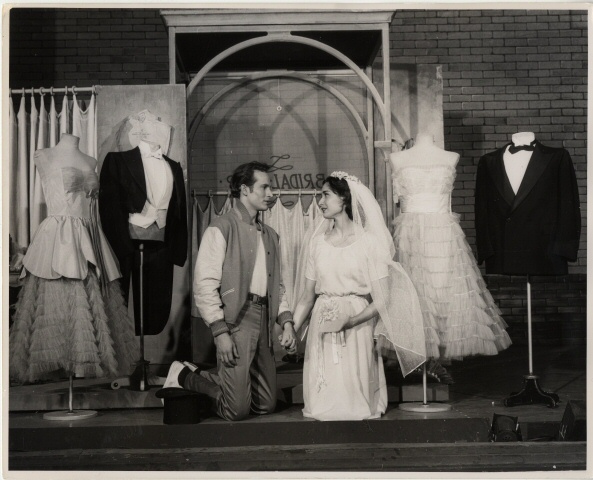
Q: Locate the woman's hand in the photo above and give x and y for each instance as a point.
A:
(288, 338)
(341, 323)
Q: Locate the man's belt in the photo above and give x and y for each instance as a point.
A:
(253, 298)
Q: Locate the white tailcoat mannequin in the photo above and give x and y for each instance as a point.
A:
(515, 164)
(150, 223)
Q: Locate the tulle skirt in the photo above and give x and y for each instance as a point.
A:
(67, 326)
(460, 316)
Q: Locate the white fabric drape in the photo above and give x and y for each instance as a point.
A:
(29, 132)
(13, 155)
(22, 185)
(34, 120)
(83, 126)
(38, 206)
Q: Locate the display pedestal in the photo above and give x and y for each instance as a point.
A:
(424, 407)
(531, 393)
(139, 379)
(70, 414)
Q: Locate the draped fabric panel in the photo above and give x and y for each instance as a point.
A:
(29, 132)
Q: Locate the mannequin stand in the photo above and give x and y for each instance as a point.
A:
(70, 414)
(424, 407)
(531, 393)
(139, 379)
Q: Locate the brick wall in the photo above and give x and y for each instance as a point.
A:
(85, 47)
(504, 71)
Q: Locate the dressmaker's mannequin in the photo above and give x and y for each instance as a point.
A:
(528, 217)
(432, 248)
(424, 151)
(142, 200)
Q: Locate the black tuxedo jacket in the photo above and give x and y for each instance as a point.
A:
(123, 191)
(535, 231)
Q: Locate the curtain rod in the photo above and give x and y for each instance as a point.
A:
(51, 90)
(211, 193)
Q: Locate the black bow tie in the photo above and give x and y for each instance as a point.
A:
(529, 148)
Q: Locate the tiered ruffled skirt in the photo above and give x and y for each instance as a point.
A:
(460, 316)
(66, 326)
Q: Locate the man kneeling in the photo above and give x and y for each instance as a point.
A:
(239, 292)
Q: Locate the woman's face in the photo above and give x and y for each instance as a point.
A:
(330, 204)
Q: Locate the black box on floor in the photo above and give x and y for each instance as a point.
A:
(573, 427)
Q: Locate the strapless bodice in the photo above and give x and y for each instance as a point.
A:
(67, 191)
(424, 188)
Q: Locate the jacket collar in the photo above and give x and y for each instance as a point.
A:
(244, 214)
(537, 164)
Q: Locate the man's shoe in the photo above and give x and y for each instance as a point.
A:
(172, 380)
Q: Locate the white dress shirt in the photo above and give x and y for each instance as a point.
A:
(159, 188)
(515, 165)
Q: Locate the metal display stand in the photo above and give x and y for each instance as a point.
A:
(139, 379)
(424, 407)
(70, 414)
(531, 393)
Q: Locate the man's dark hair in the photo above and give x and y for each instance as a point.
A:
(340, 187)
(243, 175)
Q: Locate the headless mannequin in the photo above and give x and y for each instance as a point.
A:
(515, 164)
(65, 154)
(423, 152)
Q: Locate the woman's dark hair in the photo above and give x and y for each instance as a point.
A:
(340, 187)
(243, 175)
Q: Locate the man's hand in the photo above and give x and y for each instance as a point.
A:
(288, 338)
(226, 350)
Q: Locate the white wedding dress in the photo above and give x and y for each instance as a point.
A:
(460, 316)
(343, 376)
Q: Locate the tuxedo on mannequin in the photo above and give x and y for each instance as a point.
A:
(528, 218)
(129, 217)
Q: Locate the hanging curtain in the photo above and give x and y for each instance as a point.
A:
(34, 120)
(38, 206)
(13, 155)
(54, 123)
(22, 185)
(83, 125)
(64, 118)
(29, 132)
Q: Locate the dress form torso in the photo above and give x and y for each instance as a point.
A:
(423, 177)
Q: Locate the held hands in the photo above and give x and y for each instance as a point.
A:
(288, 338)
(226, 350)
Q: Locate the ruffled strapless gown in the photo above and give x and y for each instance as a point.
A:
(70, 315)
(460, 316)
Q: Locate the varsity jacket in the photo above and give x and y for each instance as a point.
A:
(224, 268)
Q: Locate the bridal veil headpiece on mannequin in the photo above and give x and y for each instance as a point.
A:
(400, 327)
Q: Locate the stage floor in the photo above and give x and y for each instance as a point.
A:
(461, 434)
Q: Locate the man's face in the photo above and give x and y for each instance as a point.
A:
(259, 195)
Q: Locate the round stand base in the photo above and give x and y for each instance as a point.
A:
(67, 415)
(419, 407)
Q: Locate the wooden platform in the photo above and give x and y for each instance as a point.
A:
(456, 440)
